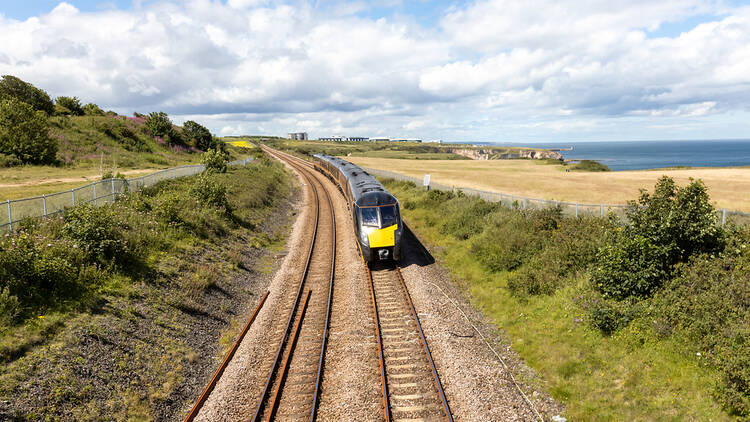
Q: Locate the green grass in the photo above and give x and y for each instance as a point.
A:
(173, 255)
(631, 375)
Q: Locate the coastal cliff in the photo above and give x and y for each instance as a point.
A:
(506, 154)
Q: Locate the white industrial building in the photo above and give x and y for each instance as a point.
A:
(297, 136)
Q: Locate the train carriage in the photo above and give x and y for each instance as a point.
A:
(375, 212)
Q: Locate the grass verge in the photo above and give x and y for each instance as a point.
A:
(528, 272)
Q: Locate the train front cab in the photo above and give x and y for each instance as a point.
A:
(379, 229)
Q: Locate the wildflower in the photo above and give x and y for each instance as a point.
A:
(41, 316)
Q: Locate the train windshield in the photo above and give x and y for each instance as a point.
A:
(369, 216)
(388, 216)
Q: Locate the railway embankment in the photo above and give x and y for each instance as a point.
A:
(639, 321)
(121, 312)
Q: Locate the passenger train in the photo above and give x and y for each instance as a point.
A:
(375, 212)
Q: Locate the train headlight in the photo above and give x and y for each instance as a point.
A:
(365, 232)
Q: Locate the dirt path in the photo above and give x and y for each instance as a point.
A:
(83, 178)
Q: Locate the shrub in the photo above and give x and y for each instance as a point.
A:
(71, 103)
(97, 231)
(158, 123)
(209, 191)
(507, 242)
(24, 133)
(607, 316)
(215, 161)
(12, 87)
(468, 219)
(167, 208)
(9, 308)
(664, 229)
(124, 136)
(197, 135)
(630, 265)
(9, 161)
(92, 109)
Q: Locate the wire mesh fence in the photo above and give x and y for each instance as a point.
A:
(573, 209)
(100, 192)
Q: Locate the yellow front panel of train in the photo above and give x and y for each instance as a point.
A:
(383, 237)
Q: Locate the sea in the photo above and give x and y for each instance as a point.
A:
(640, 155)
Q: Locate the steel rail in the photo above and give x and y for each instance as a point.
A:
(211, 384)
(296, 163)
(259, 408)
(435, 376)
(324, 345)
(381, 358)
(285, 366)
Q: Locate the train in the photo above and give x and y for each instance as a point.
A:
(376, 213)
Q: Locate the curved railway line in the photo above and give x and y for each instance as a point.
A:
(411, 387)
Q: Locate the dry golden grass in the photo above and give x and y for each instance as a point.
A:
(729, 187)
(27, 181)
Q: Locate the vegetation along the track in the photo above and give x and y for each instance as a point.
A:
(117, 312)
(640, 320)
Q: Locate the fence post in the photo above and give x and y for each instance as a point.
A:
(10, 217)
(114, 196)
(44, 205)
(73, 197)
(576, 209)
(94, 193)
(723, 216)
(601, 210)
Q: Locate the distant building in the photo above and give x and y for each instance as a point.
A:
(297, 136)
(339, 138)
(380, 139)
(406, 140)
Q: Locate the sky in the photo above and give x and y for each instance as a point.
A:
(481, 70)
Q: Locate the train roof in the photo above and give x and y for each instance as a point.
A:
(367, 191)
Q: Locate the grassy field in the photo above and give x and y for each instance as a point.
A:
(539, 179)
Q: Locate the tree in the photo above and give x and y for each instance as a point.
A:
(24, 133)
(71, 103)
(197, 135)
(12, 87)
(158, 123)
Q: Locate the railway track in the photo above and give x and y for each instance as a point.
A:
(292, 388)
(409, 380)
(411, 388)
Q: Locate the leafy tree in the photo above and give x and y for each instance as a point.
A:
(71, 103)
(665, 228)
(92, 109)
(24, 133)
(12, 87)
(197, 135)
(158, 123)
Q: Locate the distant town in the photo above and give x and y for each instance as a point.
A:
(302, 136)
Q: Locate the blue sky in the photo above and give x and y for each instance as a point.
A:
(486, 70)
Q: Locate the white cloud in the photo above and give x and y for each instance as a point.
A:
(492, 69)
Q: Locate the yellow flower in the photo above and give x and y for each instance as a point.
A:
(41, 316)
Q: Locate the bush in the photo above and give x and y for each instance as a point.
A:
(664, 229)
(209, 191)
(197, 136)
(630, 265)
(24, 133)
(215, 161)
(12, 87)
(124, 136)
(97, 231)
(467, 218)
(607, 316)
(9, 308)
(71, 103)
(507, 242)
(158, 124)
(92, 109)
(9, 161)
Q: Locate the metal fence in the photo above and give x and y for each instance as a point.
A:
(99, 192)
(573, 209)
